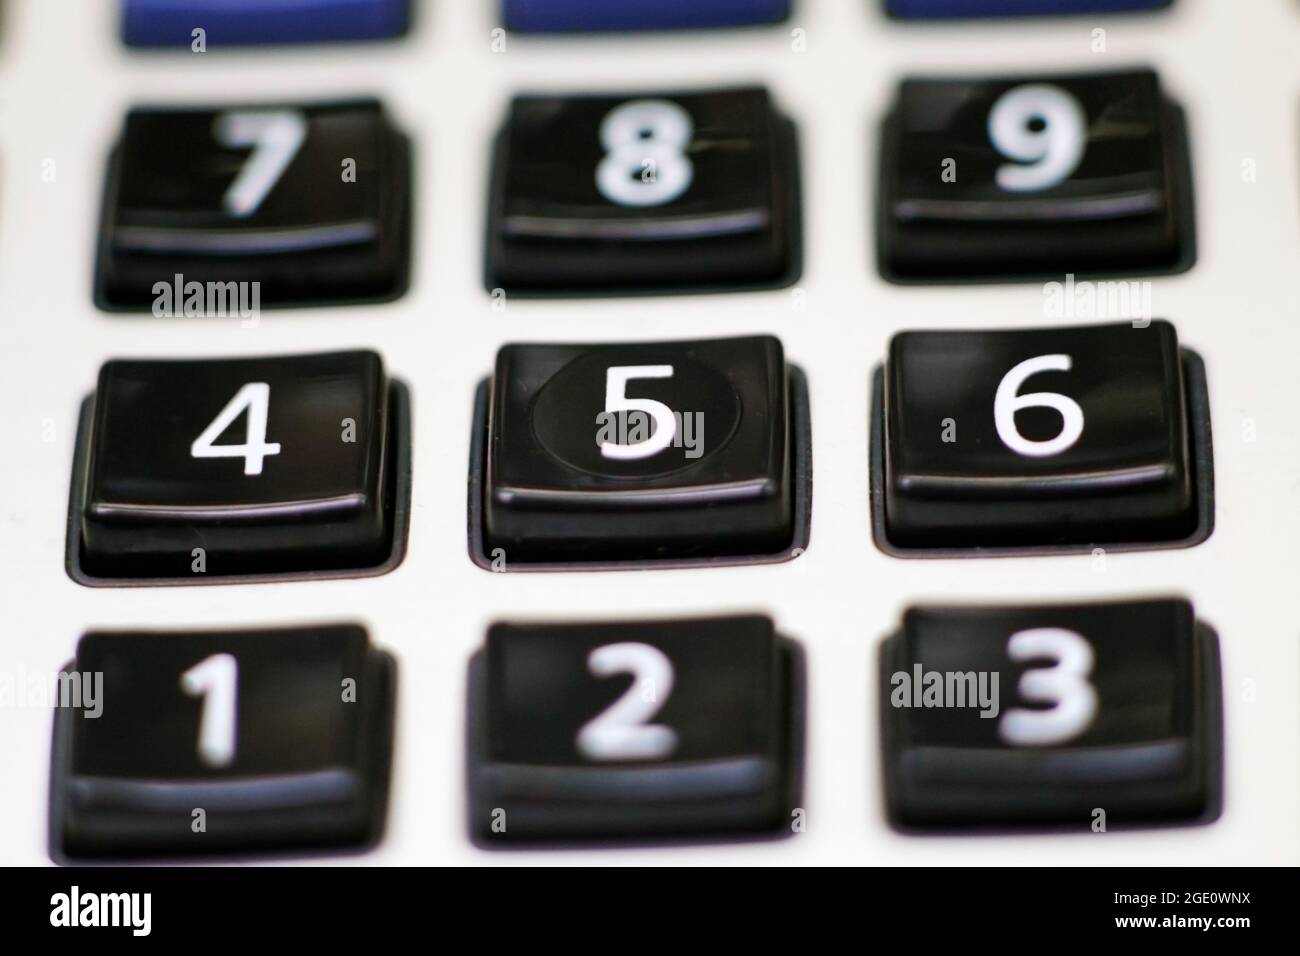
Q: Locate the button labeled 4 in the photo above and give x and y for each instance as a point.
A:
(180, 477)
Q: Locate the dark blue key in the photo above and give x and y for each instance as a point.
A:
(548, 16)
(924, 9)
(248, 22)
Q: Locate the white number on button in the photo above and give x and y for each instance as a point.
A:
(1007, 402)
(644, 163)
(1044, 129)
(621, 731)
(275, 136)
(215, 679)
(255, 396)
(1064, 685)
(616, 400)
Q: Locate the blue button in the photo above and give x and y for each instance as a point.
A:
(546, 16)
(245, 22)
(920, 9)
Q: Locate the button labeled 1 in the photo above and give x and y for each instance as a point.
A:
(658, 192)
(644, 453)
(1013, 178)
(1083, 716)
(224, 742)
(1041, 438)
(655, 729)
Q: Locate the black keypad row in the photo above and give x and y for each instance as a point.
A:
(1082, 717)
(647, 454)
(672, 191)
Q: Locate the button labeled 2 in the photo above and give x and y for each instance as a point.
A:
(224, 742)
(641, 453)
(241, 466)
(657, 192)
(1044, 438)
(1014, 178)
(1075, 716)
(260, 204)
(655, 729)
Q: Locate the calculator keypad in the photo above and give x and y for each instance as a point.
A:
(220, 742)
(1079, 716)
(642, 452)
(622, 454)
(238, 466)
(655, 729)
(1044, 437)
(649, 193)
(1031, 176)
(272, 204)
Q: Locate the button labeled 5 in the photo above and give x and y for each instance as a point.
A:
(645, 453)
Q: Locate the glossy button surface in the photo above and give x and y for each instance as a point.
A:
(265, 464)
(655, 192)
(1011, 716)
(1028, 176)
(639, 451)
(667, 728)
(1038, 436)
(275, 203)
(216, 742)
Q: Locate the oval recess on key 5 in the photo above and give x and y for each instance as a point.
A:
(633, 419)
